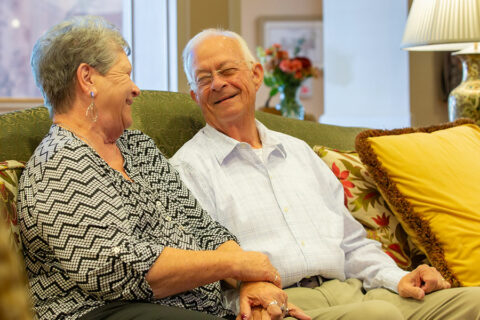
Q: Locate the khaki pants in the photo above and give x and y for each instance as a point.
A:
(336, 299)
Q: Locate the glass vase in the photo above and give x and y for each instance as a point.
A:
(289, 104)
(464, 100)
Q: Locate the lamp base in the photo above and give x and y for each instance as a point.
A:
(464, 100)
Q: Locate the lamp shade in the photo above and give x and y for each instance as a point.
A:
(442, 25)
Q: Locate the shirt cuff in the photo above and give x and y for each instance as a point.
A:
(391, 277)
(231, 300)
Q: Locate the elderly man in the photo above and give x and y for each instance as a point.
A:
(279, 198)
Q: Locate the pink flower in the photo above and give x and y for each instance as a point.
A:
(296, 65)
(285, 66)
(281, 54)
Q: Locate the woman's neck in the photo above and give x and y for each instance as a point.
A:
(91, 134)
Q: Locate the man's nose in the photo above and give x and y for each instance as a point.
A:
(218, 81)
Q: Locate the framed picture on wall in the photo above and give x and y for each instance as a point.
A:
(304, 32)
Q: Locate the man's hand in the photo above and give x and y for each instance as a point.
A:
(263, 300)
(422, 280)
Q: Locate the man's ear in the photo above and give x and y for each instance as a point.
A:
(85, 78)
(194, 96)
(257, 75)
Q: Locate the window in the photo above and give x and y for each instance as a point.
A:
(145, 24)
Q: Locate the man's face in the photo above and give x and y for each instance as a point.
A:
(226, 84)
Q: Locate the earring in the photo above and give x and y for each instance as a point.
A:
(91, 112)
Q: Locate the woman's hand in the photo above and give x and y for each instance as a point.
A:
(263, 300)
(255, 266)
(250, 265)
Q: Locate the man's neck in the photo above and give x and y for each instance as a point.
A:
(245, 131)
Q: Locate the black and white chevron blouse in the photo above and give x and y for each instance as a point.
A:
(90, 236)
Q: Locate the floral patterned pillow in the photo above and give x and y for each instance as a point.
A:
(366, 205)
(10, 172)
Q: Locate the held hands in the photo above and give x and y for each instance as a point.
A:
(263, 300)
(422, 280)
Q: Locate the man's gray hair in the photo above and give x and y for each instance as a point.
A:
(58, 53)
(207, 33)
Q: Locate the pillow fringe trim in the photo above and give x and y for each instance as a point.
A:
(410, 218)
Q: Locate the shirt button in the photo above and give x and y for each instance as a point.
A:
(116, 250)
(303, 243)
(285, 209)
(168, 218)
(159, 205)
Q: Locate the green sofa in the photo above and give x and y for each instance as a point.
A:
(169, 118)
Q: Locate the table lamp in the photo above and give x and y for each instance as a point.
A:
(450, 25)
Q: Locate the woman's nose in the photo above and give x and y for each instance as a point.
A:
(135, 90)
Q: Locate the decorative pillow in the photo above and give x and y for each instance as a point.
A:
(367, 205)
(10, 172)
(14, 295)
(430, 178)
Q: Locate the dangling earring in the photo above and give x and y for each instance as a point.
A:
(91, 113)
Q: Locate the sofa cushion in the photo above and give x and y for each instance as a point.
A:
(10, 172)
(368, 207)
(430, 178)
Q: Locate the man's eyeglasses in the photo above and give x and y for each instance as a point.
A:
(227, 71)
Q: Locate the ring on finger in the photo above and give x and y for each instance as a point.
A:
(276, 277)
(274, 302)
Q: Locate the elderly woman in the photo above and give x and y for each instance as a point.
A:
(109, 229)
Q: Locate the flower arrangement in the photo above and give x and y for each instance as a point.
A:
(285, 75)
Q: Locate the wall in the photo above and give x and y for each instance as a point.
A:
(426, 105)
(366, 72)
(251, 10)
(193, 16)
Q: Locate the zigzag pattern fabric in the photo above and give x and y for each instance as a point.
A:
(90, 236)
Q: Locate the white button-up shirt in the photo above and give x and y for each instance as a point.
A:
(288, 205)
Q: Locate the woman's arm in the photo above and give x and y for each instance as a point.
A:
(177, 270)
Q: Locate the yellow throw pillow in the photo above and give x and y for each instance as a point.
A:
(368, 207)
(430, 178)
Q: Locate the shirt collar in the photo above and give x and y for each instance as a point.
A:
(224, 145)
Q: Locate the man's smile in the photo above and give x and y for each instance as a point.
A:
(225, 98)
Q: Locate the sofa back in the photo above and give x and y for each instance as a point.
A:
(170, 118)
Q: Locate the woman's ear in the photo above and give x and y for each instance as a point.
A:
(85, 78)
(257, 75)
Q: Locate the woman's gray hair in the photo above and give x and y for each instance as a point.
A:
(58, 53)
(207, 33)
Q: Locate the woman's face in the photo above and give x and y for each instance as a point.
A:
(114, 95)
